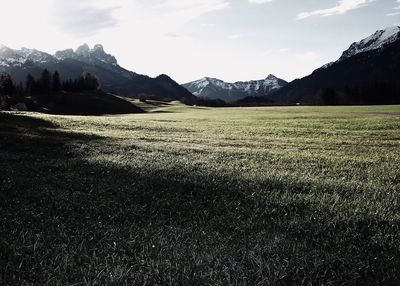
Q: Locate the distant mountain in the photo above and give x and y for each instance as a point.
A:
(71, 64)
(212, 88)
(367, 73)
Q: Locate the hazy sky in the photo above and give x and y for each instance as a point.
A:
(189, 39)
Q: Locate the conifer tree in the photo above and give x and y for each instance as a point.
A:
(29, 84)
(6, 85)
(45, 82)
(56, 82)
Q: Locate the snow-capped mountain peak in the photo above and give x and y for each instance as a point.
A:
(97, 55)
(17, 58)
(31, 59)
(266, 86)
(83, 50)
(377, 40)
(98, 48)
(200, 85)
(213, 88)
(271, 77)
(65, 54)
(36, 56)
(202, 82)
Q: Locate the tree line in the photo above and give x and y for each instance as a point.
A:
(46, 84)
(374, 93)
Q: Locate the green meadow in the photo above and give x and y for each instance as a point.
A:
(200, 196)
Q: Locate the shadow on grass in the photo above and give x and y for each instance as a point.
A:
(67, 220)
(33, 136)
(12, 121)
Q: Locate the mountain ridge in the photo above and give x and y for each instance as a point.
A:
(72, 63)
(213, 88)
(378, 40)
(366, 73)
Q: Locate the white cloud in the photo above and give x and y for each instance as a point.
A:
(342, 7)
(394, 13)
(170, 16)
(259, 1)
(396, 10)
(235, 36)
(191, 9)
(83, 18)
(207, 25)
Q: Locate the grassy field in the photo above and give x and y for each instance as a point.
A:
(199, 196)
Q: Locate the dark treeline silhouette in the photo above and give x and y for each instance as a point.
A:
(50, 83)
(86, 82)
(43, 92)
(47, 84)
(375, 93)
(7, 86)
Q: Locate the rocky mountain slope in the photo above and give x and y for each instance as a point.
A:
(378, 40)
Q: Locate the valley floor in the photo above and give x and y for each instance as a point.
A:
(200, 196)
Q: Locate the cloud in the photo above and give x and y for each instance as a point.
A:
(83, 17)
(259, 1)
(171, 16)
(235, 36)
(191, 9)
(207, 25)
(396, 9)
(342, 7)
(172, 35)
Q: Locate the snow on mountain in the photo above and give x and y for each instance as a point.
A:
(65, 54)
(97, 55)
(212, 88)
(83, 51)
(367, 73)
(200, 85)
(96, 60)
(36, 56)
(266, 86)
(378, 40)
(10, 58)
(72, 63)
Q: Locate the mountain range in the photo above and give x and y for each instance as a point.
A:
(71, 64)
(368, 72)
(212, 88)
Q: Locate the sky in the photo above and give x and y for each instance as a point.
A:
(233, 40)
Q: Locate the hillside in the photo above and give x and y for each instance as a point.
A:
(89, 103)
(73, 103)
